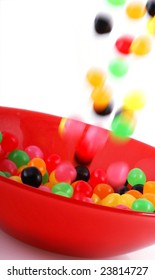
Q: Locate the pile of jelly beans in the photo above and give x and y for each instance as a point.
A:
(118, 186)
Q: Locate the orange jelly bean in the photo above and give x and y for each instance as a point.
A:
(102, 190)
(95, 77)
(135, 10)
(38, 163)
(101, 97)
(149, 187)
(134, 193)
(150, 197)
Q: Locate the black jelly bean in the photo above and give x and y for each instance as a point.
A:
(123, 190)
(31, 176)
(82, 173)
(150, 7)
(138, 187)
(106, 111)
(102, 24)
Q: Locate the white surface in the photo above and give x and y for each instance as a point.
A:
(46, 48)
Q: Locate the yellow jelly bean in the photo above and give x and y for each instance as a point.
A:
(151, 25)
(135, 100)
(135, 10)
(95, 77)
(95, 198)
(111, 200)
(16, 178)
(101, 97)
(127, 200)
(141, 45)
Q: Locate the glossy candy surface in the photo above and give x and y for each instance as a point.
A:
(103, 24)
(22, 215)
(135, 9)
(141, 45)
(150, 7)
(123, 44)
(118, 67)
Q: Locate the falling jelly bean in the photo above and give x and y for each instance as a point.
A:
(116, 2)
(123, 125)
(101, 97)
(136, 176)
(96, 77)
(117, 174)
(150, 7)
(151, 25)
(105, 110)
(123, 44)
(134, 100)
(135, 10)
(118, 67)
(142, 205)
(141, 45)
(103, 24)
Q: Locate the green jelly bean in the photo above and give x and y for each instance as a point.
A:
(117, 2)
(142, 205)
(121, 127)
(118, 67)
(8, 174)
(136, 176)
(19, 157)
(62, 194)
(63, 187)
(1, 136)
(2, 174)
(45, 177)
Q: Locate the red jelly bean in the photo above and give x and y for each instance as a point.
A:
(98, 176)
(123, 44)
(83, 188)
(52, 161)
(9, 141)
(7, 165)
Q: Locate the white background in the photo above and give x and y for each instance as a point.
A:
(46, 49)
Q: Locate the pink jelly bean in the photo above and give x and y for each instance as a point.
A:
(34, 152)
(7, 165)
(65, 172)
(117, 174)
(44, 188)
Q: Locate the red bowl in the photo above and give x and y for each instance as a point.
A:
(62, 225)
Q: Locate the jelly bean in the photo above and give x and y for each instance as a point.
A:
(2, 174)
(1, 136)
(123, 44)
(150, 197)
(104, 111)
(138, 187)
(118, 67)
(142, 205)
(34, 152)
(150, 7)
(45, 177)
(117, 174)
(65, 172)
(134, 100)
(98, 176)
(101, 97)
(9, 141)
(135, 10)
(123, 125)
(39, 163)
(19, 157)
(96, 77)
(52, 161)
(83, 173)
(44, 188)
(83, 187)
(111, 200)
(151, 26)
(53, 180)
(71, 130)
(31, 176)
(123, 207)
(91, 141)
(136, 176)
(102, 24)
(134, 193)
(122, 189)
(16, 178)
(95, 198)
(149, 187)
(102, 190)
(64, 188)
(127, 200)
(82, 197)
(141, 45)
(117, 2)
(8, 166)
